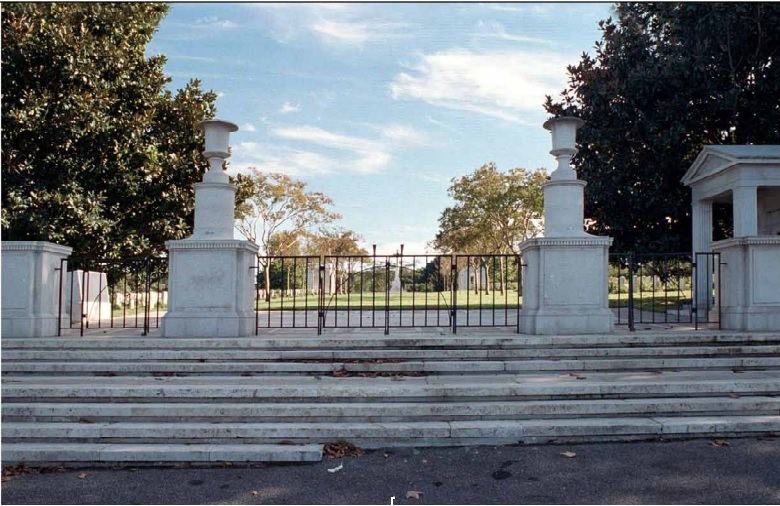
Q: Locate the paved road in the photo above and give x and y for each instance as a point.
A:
(746, 471)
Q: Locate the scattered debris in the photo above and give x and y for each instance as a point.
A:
(254, 493)
(87, 419)
(413, 494)
(424, 461)
(734, 396)
(22, 469)
(336, 469)
(341, 449)
(82, 476)
(719, 442)
(387, 455)
(569, 455)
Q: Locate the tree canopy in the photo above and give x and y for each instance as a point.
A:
(667, 79)
(96, 153)
(493, 210)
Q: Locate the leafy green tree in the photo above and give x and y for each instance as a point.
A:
(494, 211)
(667, 79)
(96, 153)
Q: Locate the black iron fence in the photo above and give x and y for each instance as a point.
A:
(389, 291)
(665, 288)
(97, 293)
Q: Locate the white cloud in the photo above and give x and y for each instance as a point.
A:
(356, 32)
(220, 94)
(287, 108)
(499, 84)
(214, 22)
(497, 31)
(328, 139)
(275, 158)
(404, 135)
(248, 127)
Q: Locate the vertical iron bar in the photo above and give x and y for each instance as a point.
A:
(148, 296)
(59, 297)
(631, 327)
(373, 290)
(387, 295)
(454, 291)
(82, 316)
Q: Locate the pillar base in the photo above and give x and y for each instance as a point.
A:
(750, 277)
(211, 289)
(565, 286)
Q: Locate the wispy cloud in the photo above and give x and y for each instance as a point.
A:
(369, 156)
(248, 127)
(288, 108)
(214, 22)
(405, 135)
(357, 32)
(497, 31)
(500, 84)
(275, 158)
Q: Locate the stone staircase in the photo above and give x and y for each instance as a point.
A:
(281, 396)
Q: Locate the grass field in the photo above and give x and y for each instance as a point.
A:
(658, 301)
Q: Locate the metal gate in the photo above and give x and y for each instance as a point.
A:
(665, 288)
(389, 291)
(97, 293)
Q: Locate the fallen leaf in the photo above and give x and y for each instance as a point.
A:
(87, 419)
(424, 461)
(413, 494)
(254, 493)
(387, 455)
(719, 442)
(569, 455)
(336, 469)
(82, 476)
(287, 442)
(734, 396)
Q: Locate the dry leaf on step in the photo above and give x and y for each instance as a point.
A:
(82, 476)
(254, 493)
(413, 494)
(719, 442)
(569, 455)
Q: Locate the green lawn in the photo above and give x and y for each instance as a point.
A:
(658, 301)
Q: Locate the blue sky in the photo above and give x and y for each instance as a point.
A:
(380, 105)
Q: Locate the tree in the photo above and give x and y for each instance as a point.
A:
(666, 80)
(96, 154)
(268, 204)
(342, 242)
(494, 211)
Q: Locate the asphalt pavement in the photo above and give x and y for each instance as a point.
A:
(701, 471)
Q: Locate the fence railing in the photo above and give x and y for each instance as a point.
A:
(388, 291)
(97, 293)
(662, 288)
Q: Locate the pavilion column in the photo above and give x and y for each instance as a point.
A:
(702, 243)
(745, 211)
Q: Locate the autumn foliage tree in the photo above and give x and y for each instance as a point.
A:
(667, 79)
(96, 153)
(276, 211)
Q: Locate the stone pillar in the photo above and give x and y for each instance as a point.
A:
(211, 276)
(566, 271)
(750, 287)
(702, 243)
(31, 287)
(745, 211)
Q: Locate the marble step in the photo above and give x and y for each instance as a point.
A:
(185, 367)
(366, 433)
(382, 412)
(159, 453)
(374, 339)
(354, 389)
(11, 355)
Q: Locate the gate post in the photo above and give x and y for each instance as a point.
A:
(31, 276)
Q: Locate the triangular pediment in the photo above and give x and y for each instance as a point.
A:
(717, 159)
